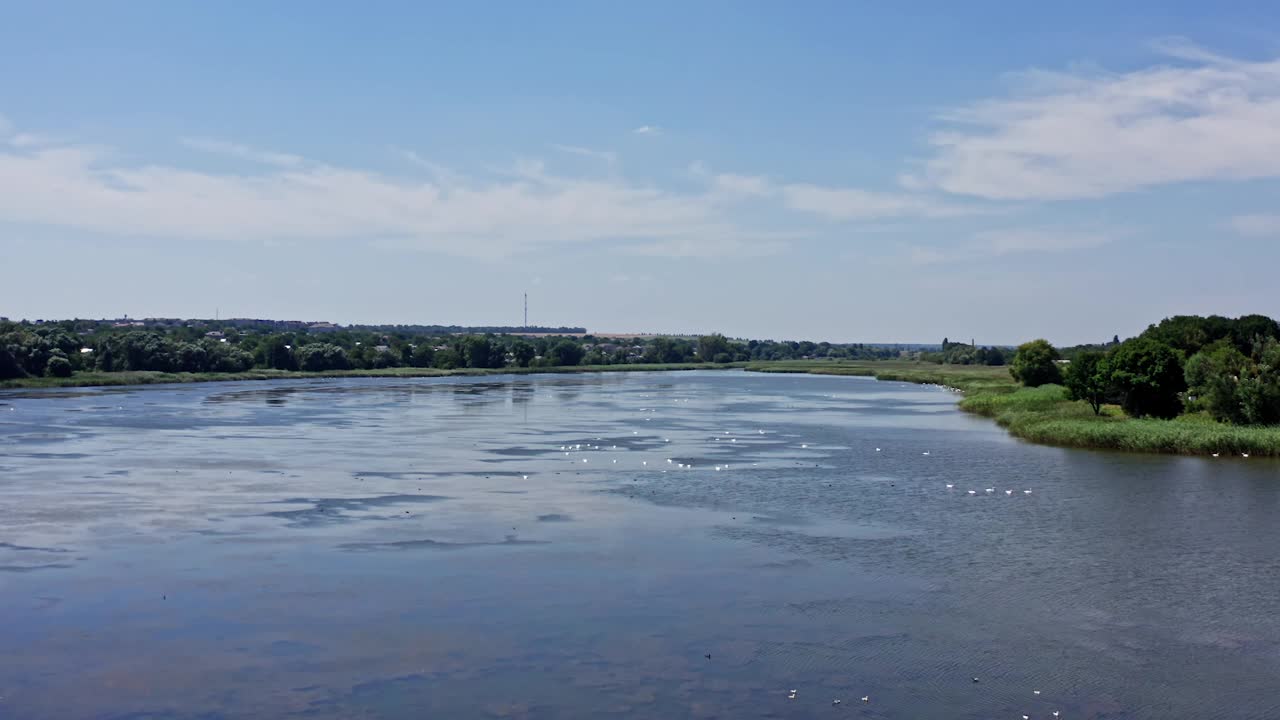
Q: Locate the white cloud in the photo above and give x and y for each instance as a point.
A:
(1259, 225)
(1081, 134)
(93, 189)
(648, 130)
(244, 152)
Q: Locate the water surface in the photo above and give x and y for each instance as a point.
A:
(575, 546)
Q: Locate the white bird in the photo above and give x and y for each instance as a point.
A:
(792, 696)
(668, 460)
(866, 698)
(950, 485)
(1008, 492)
(835, 702)
(877, 449)
(1215, 454)
(990, 490)
(1026, 717)
(926, 452)
(526, 477)
(584, 459)
(1056, 713)
(644, 462)
(1244, 455)
(1026, 492)
(805, 446)
(615, 462)
(973, 492)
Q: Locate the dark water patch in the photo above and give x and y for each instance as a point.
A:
(555, 517)
(29, 548)
(509, 492)
(33, 568)
(52, 456)
(521, 451)
(330, 510)
(429, 544)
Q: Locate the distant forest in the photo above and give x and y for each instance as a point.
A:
(62, 348)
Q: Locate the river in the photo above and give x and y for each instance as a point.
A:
(625, 545)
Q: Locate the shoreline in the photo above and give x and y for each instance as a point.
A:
(129, 378)
(1040, 415)
(1046, 417)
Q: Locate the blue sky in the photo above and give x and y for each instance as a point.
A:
(840, 171)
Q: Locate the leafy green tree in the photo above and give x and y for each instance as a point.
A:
(1235, 387)
(1035, 364)
(1088, 378)
(58, 366)
(1149, 377)
(319, 357)
(448, 359)
(523, 352)
(423, 354)
(565, 352)
(478, 351)
(709, 346)
(274, 352)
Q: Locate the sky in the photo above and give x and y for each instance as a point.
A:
(843, 171)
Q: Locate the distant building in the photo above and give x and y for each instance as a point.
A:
(321, 327)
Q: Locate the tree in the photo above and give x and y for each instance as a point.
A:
(319, 357)
(477, 351)
(565, 352)
(1235, 387)
(523, 352)
(448, 359)
(423, 354)
(275, 352)
(709, 346)
(1088, 378)
(58, 366)
(1149, 377)
(1035, 364)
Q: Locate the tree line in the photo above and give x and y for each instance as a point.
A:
(60, 349)
(1227, 368)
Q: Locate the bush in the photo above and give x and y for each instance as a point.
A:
(58, 366)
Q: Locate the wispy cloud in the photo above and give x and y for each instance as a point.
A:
(996, 243)
(1258, 225)
(648, 130)
(831, 203)
(607, 157)
(243, 152)
(292, 199)
(856, 204)
(1083, 134)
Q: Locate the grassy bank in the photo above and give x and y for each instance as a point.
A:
(95, 379)
(1045, 415)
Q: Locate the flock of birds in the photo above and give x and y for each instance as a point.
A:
(727, 436)
(791, 695)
